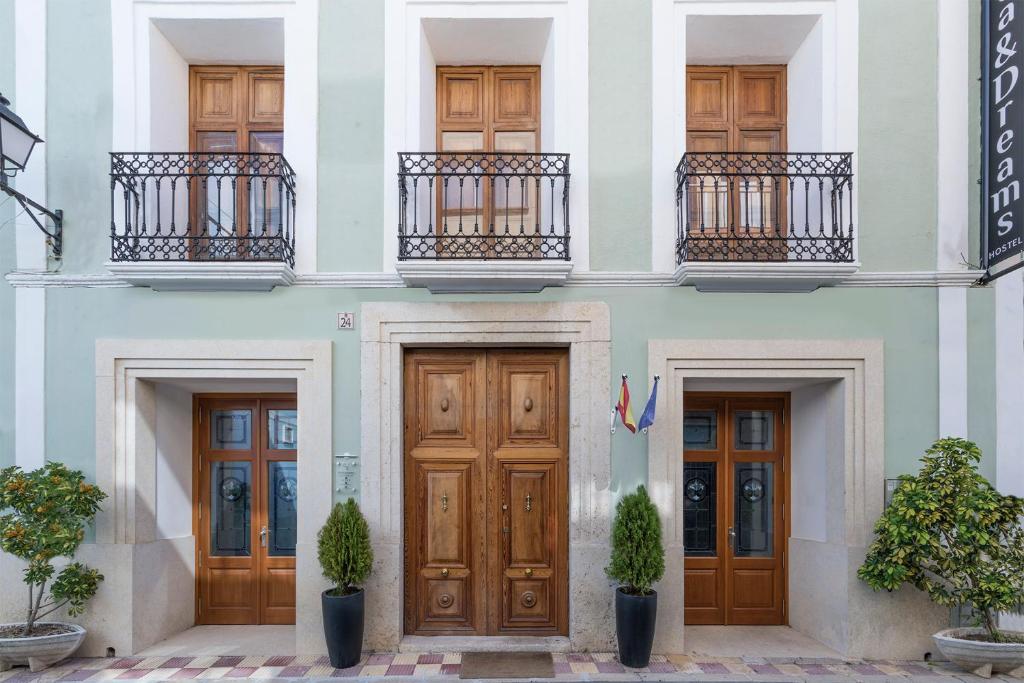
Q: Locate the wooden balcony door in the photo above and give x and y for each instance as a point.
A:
(487, 109)
(245, 513)
(738, 109)
(486, 492)
(233, 110)
(735, 487)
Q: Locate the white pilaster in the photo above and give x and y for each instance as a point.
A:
(951, 230)
(30, 307)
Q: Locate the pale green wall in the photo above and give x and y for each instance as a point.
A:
(897, 218)
(897, 131)
(620, 135)
(898, 134)
(78, 128)
(7, 254)
(78, 316)
(351, 164)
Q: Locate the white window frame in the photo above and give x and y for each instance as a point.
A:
(840, 54)
(131, 22)
(404, 90)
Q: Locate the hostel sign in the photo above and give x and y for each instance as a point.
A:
(1002, 131)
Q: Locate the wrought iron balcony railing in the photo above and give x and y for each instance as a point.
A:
(733, 206)
(202, 207)
(483, 206)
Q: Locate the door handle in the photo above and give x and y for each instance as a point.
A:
(732, 539)
(529, 502)
(264, 532)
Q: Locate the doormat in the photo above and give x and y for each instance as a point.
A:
(507, 665)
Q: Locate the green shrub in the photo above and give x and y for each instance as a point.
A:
(638, 558)
(45, 513)
(951, 534)
(343, 547)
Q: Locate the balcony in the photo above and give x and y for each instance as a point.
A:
(483, 221)
(202, 220)
(764, 221)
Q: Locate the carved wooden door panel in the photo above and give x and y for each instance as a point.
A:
(486, 475)
(528, 476)
(445, 444)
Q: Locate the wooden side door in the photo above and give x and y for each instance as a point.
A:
(245, 514)
(234, 109)
(527, 490)
(278, 509)
(735, 492)
(739, 109)
(445, 514)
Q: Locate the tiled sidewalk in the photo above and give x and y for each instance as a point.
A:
(568, 667)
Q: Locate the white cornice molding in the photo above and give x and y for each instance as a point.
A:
(918, 278)
(356, 280)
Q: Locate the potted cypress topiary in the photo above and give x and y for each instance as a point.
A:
(346, 559)
(948, 532)
(638, 561)
(44, 516)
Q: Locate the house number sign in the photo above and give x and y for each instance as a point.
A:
(1002, 126)
(346, 321)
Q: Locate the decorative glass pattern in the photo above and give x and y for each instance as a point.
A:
(230, 513)
(282, 511)
(699, 509)
(754, 509)
(754, 430)
(231, 430)
(700, 430)
(282, 430)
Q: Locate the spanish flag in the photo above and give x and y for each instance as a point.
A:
(623, 408)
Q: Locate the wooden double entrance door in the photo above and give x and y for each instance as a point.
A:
(245, 493)
(734, 500)
(486, 481)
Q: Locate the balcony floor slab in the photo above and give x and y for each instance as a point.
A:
(484, 276)
(762, 276)
(204, 275)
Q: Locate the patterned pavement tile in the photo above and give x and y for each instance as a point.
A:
(230, 662)
(451, 669)
(293, 671)
(78, 675)
(214, 672)
(430, 659)
(186, 673)
(159, 674)
(241, 672)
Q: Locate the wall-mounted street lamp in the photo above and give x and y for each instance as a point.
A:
(16, 144)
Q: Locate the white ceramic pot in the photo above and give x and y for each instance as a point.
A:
(39, 652)
(980, 657)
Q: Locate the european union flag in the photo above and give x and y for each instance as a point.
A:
(647, 419)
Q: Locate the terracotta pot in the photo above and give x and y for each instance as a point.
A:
(39, 652)
(980, 657)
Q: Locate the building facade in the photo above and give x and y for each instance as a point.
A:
(405, 250)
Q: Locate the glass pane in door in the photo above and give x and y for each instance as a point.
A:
(231, 508)
(754, 430)
(753, 510)
(282, 515)
(699, 509)
(282, 430)
(266, 193)
(231, 430)
(700, 430)
(216, 160)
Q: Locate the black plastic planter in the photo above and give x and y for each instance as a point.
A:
(343, 627)
(634, 625)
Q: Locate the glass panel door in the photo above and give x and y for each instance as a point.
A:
(282, 511)
(231, 511)
(753, 509)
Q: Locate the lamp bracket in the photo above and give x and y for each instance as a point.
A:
(55, 238)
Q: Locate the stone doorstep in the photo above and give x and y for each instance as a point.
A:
(570, 666)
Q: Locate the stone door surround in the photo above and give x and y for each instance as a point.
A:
(584, 327)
